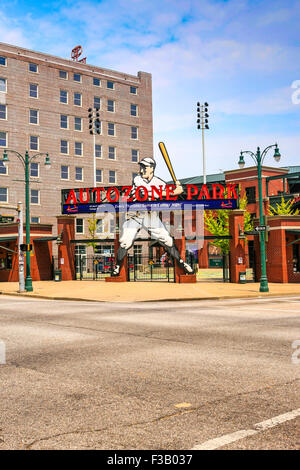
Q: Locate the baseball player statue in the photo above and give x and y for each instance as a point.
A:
(148, 220)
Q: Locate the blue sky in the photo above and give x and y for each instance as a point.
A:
(241, 56)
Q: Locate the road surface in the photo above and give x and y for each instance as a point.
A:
(170, 375)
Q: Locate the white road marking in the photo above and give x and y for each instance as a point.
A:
(221, 441)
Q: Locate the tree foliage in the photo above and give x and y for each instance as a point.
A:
(92, 231)
(284, 208)
(217, 223)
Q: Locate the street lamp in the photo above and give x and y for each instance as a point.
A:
(26, 161)
(258, 158)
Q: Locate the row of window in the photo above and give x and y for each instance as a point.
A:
(100, 226)
(34, 195)
(77, 77)
(78, 148)
(65, 174)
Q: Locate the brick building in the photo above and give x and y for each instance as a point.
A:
(44, 103)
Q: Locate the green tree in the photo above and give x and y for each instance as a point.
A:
(284, 208)
(217, 223)
(92, 231)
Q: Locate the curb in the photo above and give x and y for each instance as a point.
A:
(180, 299)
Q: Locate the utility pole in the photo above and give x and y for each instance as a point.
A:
(202, 123)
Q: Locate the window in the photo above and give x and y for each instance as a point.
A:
(79, 226)
(63, 74)
(134, 155)
(64, 121)
(110, 85)
(64, 146)
(112, 176)
(98, 176)
(3, 169)
(63, 96)
(35, 220)
(64, 172)
(251, 194)
(99, 226)
(2, 60)
(96, 81)
(33, 68)
(133, 110)
(3, 85)
(3, 195)
(78, 124)
(134, 132)
(34, 196)
(111, 128)
(76, 77)
(33, 116)
(111, 106)
(78, 148)
(77, 99)
(112, 153)
(98, 151)
(137, 251)
(34, 169)
(112, 226)
(133, 90)
(96, 102)
(33, 90)
(34, 142)
(2, 111)
(3, 139)
(78, 174)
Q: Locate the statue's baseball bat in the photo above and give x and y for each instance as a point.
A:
(166, 157)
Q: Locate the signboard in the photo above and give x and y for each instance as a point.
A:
(215, 263)
(125, 198)
(261, 228)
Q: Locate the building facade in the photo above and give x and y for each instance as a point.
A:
(44, 102)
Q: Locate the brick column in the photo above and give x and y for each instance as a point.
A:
(66, 250)
(237, 245)
(276, 251)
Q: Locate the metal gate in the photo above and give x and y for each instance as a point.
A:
(93, 268)
(143, 268)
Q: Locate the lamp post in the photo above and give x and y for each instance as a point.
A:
(258, 158)
(26, 162)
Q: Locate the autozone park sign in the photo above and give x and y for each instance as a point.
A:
(124, 198)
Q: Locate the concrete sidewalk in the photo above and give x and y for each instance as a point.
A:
(99, 291)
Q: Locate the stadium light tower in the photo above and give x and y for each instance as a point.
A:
(202, 123)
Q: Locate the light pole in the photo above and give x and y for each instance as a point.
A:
(258, 158)
(26, 162)
(94, 128)
(202, 123)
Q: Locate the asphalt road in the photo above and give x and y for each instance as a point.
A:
(170, 375)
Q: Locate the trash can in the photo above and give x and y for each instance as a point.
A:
(57, 275)
(242, 277)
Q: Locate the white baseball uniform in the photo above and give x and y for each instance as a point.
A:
(145, 219)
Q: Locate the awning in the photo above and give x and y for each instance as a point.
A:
(44, 239)
(4, 238)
